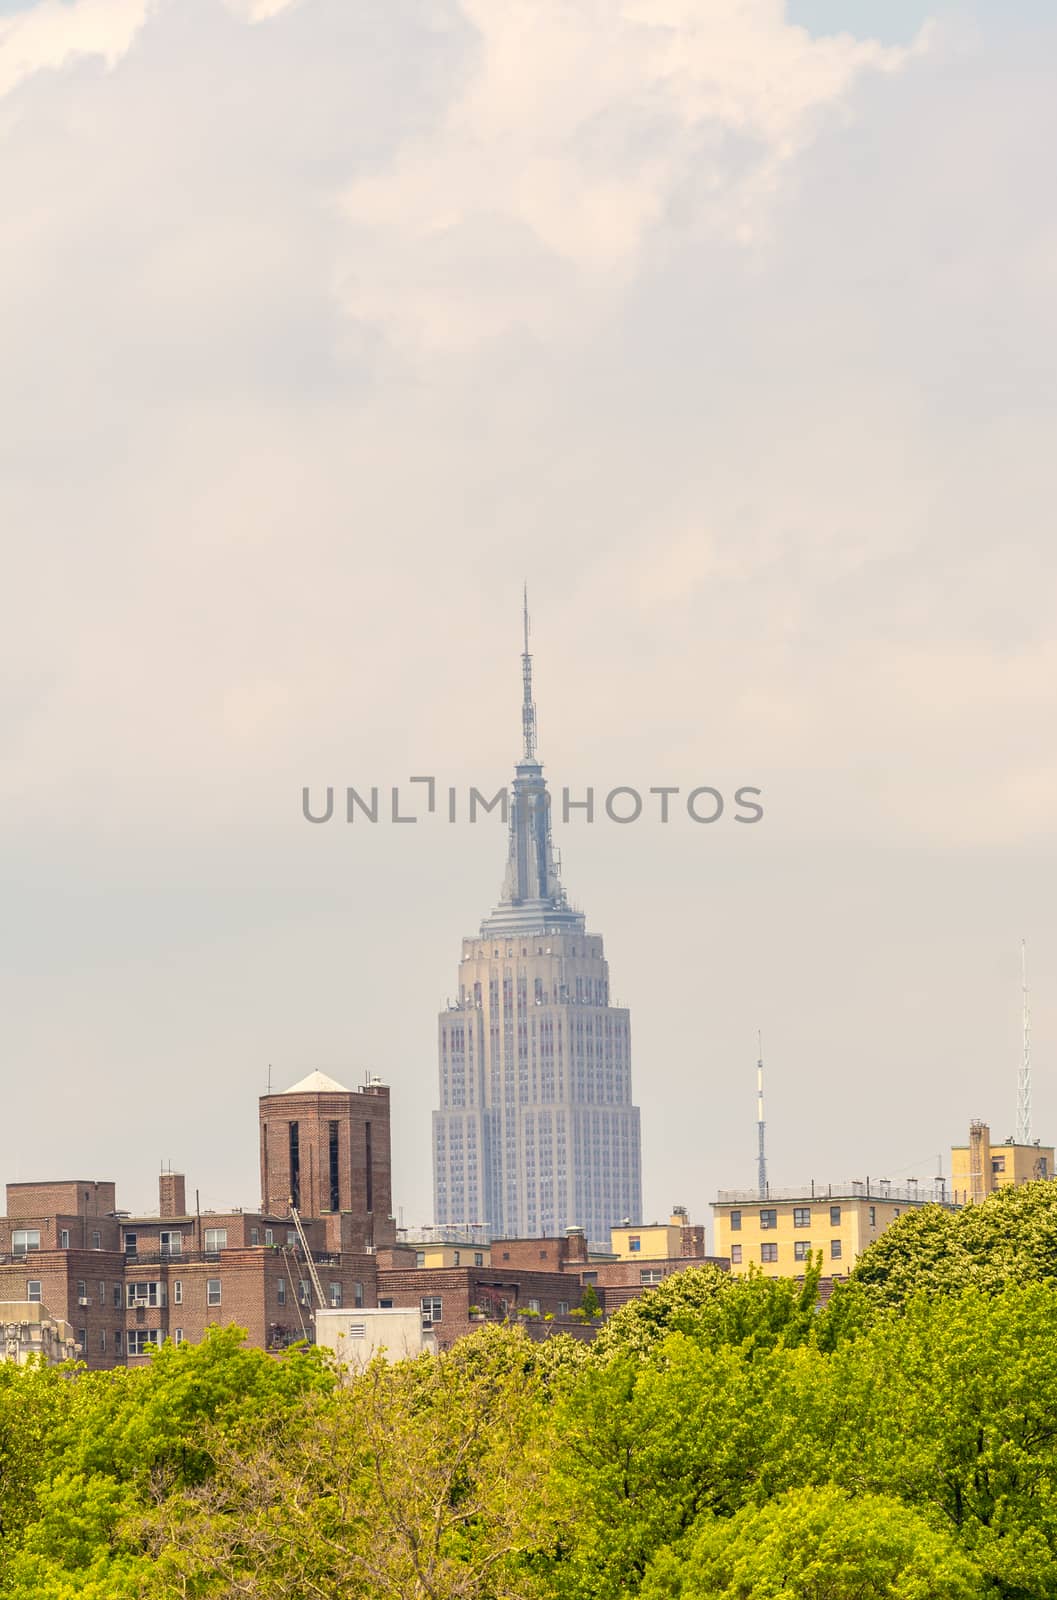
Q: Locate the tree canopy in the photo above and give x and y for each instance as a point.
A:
(721, 1439)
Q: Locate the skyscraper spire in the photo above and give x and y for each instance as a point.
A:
(532, 894)
(1024, 1079)
(528, 708)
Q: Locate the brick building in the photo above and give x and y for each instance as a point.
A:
(124, 1282)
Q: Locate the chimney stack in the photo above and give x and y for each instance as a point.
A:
(172, 1197)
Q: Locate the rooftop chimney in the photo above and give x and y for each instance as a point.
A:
(172, 1197)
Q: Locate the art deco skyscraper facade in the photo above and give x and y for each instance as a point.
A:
(536, 1131)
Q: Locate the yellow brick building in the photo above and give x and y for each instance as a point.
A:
(451, 1255)
(658, 1241)
(779, 1235)
(980, 1167)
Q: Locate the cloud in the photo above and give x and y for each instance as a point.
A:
(53, 34)
(583, 130)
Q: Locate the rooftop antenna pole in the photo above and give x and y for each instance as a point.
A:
(528, 709)
(1024, 1082)
(761, 1157)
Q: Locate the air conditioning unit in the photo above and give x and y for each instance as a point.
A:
(84, 1301)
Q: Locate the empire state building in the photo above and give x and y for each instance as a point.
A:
(536, 1131)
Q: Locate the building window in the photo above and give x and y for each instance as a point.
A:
(140, 1338)
(117, 1341)
(735, 1255)
(357, 1294)
(801, 1216)
(64, 1239)
(334, 1291)
(335, 1167)
(178, 1336)
(385, 1305)
(102, 1341)
(420, 1258)
(96, 1239)
(177, 1292)
(212, 1291)
(735, 1222)
(478, 1258)
(82, 1340)
(255, 1236)
(768, 1218)
(801, 1250)
(295, 1166)
(589, 1277)
(834, 1216)
(25, 1239)
(33, 1291)
(281, 1291)
(563, 1308)
(216, 1239)
(534, 1305)
(145, 1294)
(304, 1292)
(291, 1238)
(82, 1291)
(836, 1249)
(117, 1295)
(456, 1258)
(635, 1243)
(269, 1236)
(873, 1216)
(131, 1243)
(432, 1308)
(102, 1294)
(170, 1242)
(768, 1252)
(998, 1163)
(650, 1275)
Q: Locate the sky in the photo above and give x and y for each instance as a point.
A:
(729, 326)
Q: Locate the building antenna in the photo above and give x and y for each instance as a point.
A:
(761, 1155)
(269, 1077)
(528, 709)
(1024, 1081)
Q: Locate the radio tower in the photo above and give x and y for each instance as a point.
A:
(1024, 1081)
(761, 1156)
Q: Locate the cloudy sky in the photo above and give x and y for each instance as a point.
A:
(729, 325)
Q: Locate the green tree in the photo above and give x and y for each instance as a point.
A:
(421, 1480)
(1010, 1238)
(709, 1304)
(119, 1441)
(952, 1407)
(817, 1544)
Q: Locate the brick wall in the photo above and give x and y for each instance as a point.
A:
(499, 1291)
(74, 1197)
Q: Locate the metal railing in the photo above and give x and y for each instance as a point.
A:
(872, 1189)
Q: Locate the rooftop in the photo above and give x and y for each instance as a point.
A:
(317, 1083)
(937, 1193)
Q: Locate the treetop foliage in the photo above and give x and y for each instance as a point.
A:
(722, 1439)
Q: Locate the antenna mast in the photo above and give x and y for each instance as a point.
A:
(528, 709)
(1024, 1081)
(761, 1157)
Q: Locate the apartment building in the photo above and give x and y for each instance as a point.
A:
(779, 1234)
